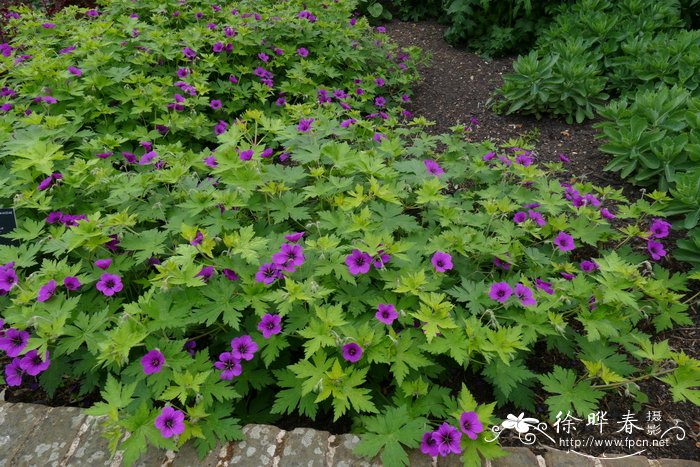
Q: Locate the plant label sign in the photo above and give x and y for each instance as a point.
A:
(8, 223)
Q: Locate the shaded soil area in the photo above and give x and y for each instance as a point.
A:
(457, 86)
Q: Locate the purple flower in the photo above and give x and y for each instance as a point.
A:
(305, 125)
(170, 422)
(67, 50)
(563, 158)
(567, 276)
(470, 424)
(104, 155)
(198, 238)
(500, 291)
(220, 128)
(153, 362)
(229, 365)
(358, 262)
(189, 53)
(270, 325)
(148, 157)
(546, 287)
(266, 153)
(520, 217)
(8, 277)
(130, 157)
(33, 363)
(45, 184)
(429, 444)
(246, 155)
(74, 71)
(499, 263)
(656, 250)
(264, 57)
(14, 373)
(215, 104)
(607, 214)
(347, 123)
(381, 260)
(233, 79)
(524, 295)
(441, 261)
(6, 107)
(281, 101)
(183, 72)
(48, 25)
(13, 341)
(448, 440)
(210, 161)
(268, 273)
(537, 217)
(378, 137)
(71, 283)
(109, 284)
(290, 256)
(524, 160)
(205, 273)
(386, 313)
(92, 13)
(380, 82)
(190, 347)
(588, 266)
(218, 47)
(46, 291)
(564, 242)
(352, 352)
(659, 228)
(103, 263)
(243, 348)
(433, 167)
(294, 237)
(379, 101)
(230, 274)
(488, 156)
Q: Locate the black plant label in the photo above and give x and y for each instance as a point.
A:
(8, 223)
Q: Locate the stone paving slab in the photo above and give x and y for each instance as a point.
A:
(33, 435)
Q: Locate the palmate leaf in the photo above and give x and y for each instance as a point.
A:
(571, 396)
(145, 244)
(389, 433)
(506, 377)
(288, 399)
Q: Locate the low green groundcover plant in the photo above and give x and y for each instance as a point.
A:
(222, 220)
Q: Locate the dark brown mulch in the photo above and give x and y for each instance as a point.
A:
(456, 86)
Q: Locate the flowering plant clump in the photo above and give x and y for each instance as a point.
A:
(329, 271)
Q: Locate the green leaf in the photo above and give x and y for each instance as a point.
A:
(578, 397)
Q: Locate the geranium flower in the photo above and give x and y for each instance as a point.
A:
(305, 125)
(170, 422)
(8, 277)
(14, 373)
(607, 214)
(218, 47)
(524, 295)
(433, 167)
(246, 155)
(564, 242)
(290, 256)
(358, 262)
(210, 161)
(229, 365)
(659, 228)
(588, 266)
(205, 273)
(46, 291)
(243, 348)
(537, 217)
(71, 283)
(346, 123)
(386, 313)
(568, 276)
(109, 284)
(429, 444)
(270, 325)
(230, 274)
(103, 263)
(441, 261)
(75, 71)
(520, 217)
(352, 352)
(656, 250)
(268, 273)
(546, 287)
(295, 237)
(13, 341)
(500, 291)
(563, 158)
(449, 439)
(470, 424)
(33, 363)
(189, 53)
(152, 362)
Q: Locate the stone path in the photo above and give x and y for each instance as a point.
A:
(34, 435)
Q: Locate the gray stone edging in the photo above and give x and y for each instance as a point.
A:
(35, 435)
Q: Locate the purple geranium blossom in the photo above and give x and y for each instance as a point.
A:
(46, 291)
(103, 263)
(499, 263)
(537, 217)
(656, 250)
(607, 214)
(229, 366)
(71, 283)
(75, 71)
(488, 156)
(230, 274)
(148, 157)
(564, 242)
(352, 352)
(13, 341)
(659, 228)
(544, 286)
(243, 348)
(109, 284)
(568, 276)
(386, 313)
(246, 155)
(153, 361)
(33, 363)
(381, 260)
(205, 273)
(183, 72)
(520, 217)
(215, 104)
(198, 238)
(563, 158)
(220, 128)
(45, 184)
(346, 123)
(14, 373)
(305, 124)
(588, 266)
(210, 161)
(266, 153)
(433, 167)
(270, 325)
(294, 237)
(8, 277)
(429, 444)
(524, 295)
(470, 424)
(358, 262)
(441, 261)
(448, 439)
(170, 422)
(189, 53)
(268, 273)
(500, 291)
(302, 52)
(290, 256)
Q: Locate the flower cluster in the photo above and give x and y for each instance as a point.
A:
(13, 342)
(286, 260)
(242, 348)
(447, 439)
